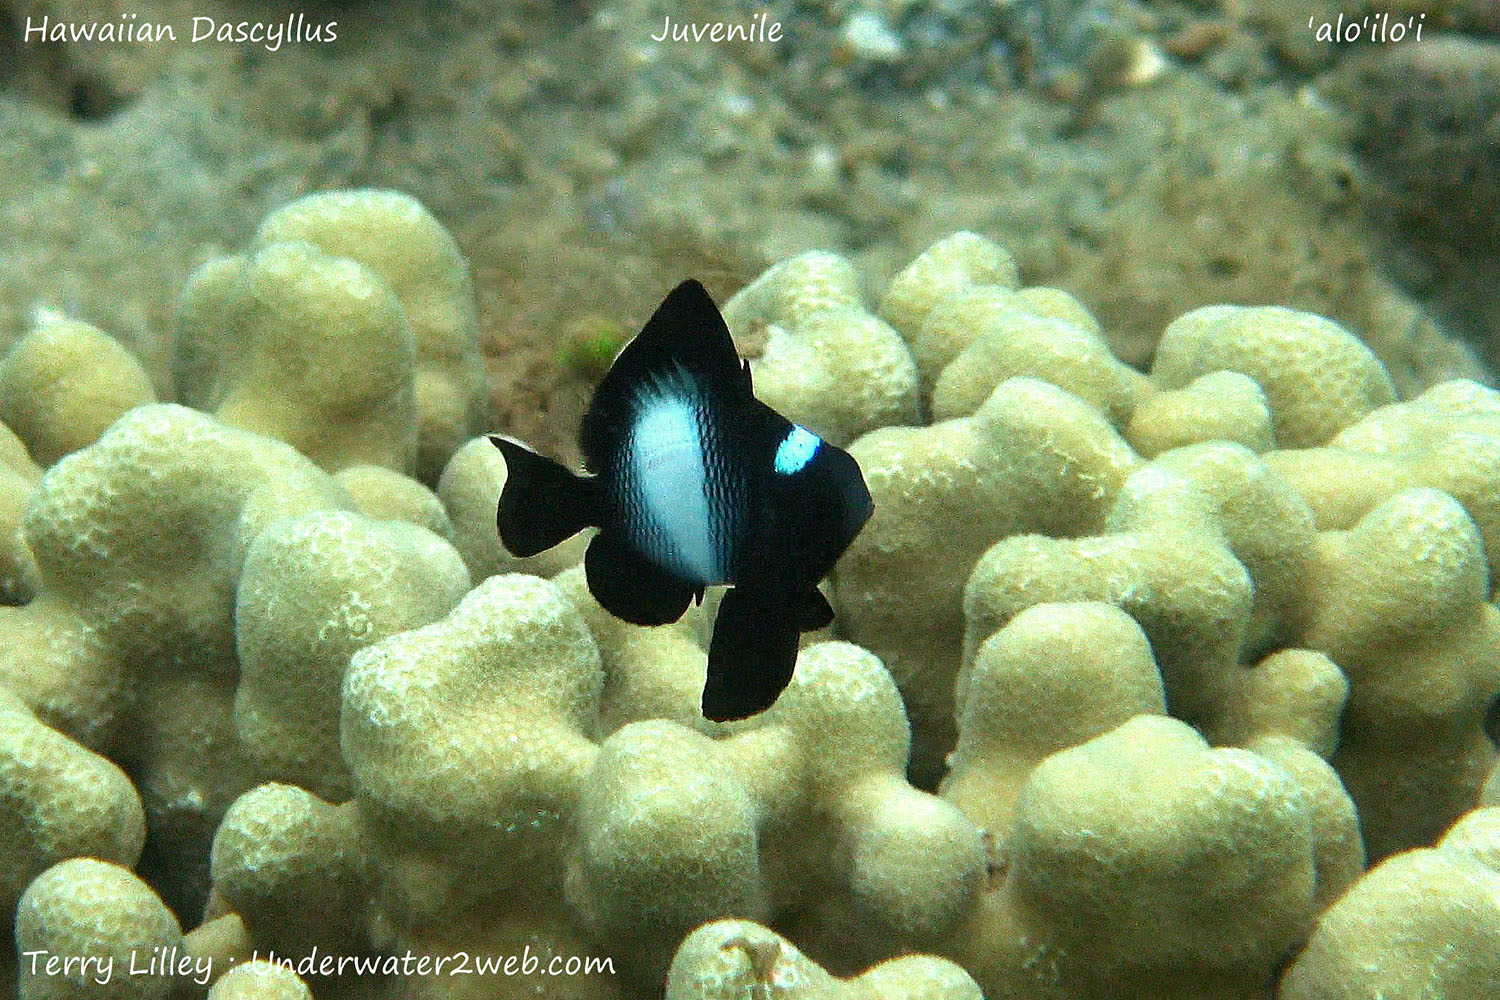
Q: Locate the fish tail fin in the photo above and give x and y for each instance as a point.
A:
(542, 503)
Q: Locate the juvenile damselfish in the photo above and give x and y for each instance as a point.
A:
(695, 483)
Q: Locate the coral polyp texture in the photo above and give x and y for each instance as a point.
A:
(348, 330)
(84, 908)
(1175, 684)
(827, 361)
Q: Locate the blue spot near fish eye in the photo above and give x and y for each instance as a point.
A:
(796, 450)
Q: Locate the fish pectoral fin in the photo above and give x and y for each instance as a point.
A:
(813, 611)
(752, 655)
(630, 587)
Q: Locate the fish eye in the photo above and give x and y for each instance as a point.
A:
(796, 450)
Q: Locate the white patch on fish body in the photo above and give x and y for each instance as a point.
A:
(667, 472)
(796, 450)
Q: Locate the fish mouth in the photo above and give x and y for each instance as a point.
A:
(855, 498)
(859, 507)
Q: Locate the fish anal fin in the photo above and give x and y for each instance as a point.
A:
(630, 587)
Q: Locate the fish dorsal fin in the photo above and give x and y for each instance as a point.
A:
(684, 343)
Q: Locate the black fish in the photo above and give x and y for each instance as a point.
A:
(696, 483)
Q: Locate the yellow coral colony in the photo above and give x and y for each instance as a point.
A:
(1133, 674)
(348, 331)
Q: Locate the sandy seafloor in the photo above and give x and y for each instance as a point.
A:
(1149, 157)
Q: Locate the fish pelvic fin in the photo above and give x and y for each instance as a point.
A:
(812, 611)
(542, 502)
(751, 656)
